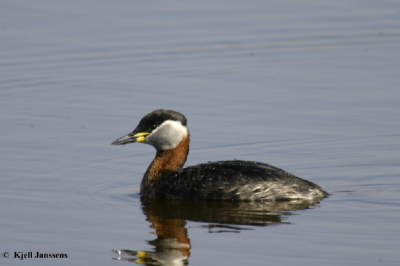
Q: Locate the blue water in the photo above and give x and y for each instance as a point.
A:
(311, 87)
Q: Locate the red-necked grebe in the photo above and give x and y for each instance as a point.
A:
(167, 132)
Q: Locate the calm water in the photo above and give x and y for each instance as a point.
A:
(310, 87)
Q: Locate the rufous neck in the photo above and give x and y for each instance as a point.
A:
(166, 162)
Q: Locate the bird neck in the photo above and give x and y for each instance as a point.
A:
(165, 163)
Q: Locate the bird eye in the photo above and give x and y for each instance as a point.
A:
(153, 126)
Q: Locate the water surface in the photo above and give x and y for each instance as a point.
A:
(310, 87)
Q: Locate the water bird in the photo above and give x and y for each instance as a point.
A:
(235, 180)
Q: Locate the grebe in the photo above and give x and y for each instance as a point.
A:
(167, 132)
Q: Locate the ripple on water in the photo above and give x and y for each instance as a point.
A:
(99, 194)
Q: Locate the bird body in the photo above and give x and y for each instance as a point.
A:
(167, 131)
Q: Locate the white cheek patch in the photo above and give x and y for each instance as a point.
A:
(167, 136)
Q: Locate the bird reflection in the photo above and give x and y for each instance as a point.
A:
(168, 219)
